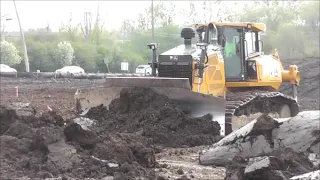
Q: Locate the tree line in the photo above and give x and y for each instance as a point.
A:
(292, 28)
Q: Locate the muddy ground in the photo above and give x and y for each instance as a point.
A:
(121, 143)
(141, 110)
(58, 95)
(39, 147)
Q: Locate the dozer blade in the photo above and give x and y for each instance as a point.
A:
(178, 89)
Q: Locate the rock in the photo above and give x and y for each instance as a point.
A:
(84, 122)
(315, 175)
(265, 135)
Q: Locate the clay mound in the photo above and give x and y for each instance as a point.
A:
(141, 110)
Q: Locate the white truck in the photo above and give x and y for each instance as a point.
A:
(145, 70)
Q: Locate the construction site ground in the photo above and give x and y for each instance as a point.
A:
(173, 161)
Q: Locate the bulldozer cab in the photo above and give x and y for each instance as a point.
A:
(239, 42)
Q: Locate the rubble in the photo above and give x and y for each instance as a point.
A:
(280, 166)
(314, 175)
(265, 135)
(268, 149)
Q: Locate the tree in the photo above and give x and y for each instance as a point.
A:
(63, 54)
(162, 15)
(192, 14)
(9, 53)
(126, 29)
(309, 15)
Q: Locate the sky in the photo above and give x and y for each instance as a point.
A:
(38, 14)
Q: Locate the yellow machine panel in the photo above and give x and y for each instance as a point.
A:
(213, 82)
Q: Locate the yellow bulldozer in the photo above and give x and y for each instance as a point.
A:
(223, 72)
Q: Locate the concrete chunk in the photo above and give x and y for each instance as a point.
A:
(265, 135)
(315, 175)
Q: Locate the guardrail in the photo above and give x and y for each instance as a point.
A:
(65, 75)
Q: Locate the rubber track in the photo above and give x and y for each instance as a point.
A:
(237, 100)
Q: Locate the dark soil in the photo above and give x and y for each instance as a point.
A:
(38, 147)
(309, 88)
(143, 111)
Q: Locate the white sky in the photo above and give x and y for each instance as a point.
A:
(37, 14)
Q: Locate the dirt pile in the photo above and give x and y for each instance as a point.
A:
(308, 90)
(143, 111)
(281, 166)
(39, 147)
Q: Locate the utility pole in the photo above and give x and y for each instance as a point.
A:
(23, 41)
(87, 22)
(152, 20)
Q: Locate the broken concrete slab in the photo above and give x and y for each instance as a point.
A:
(314, 175)
(299, 133)
(264, 136)
(282, 166)
(250, 140)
